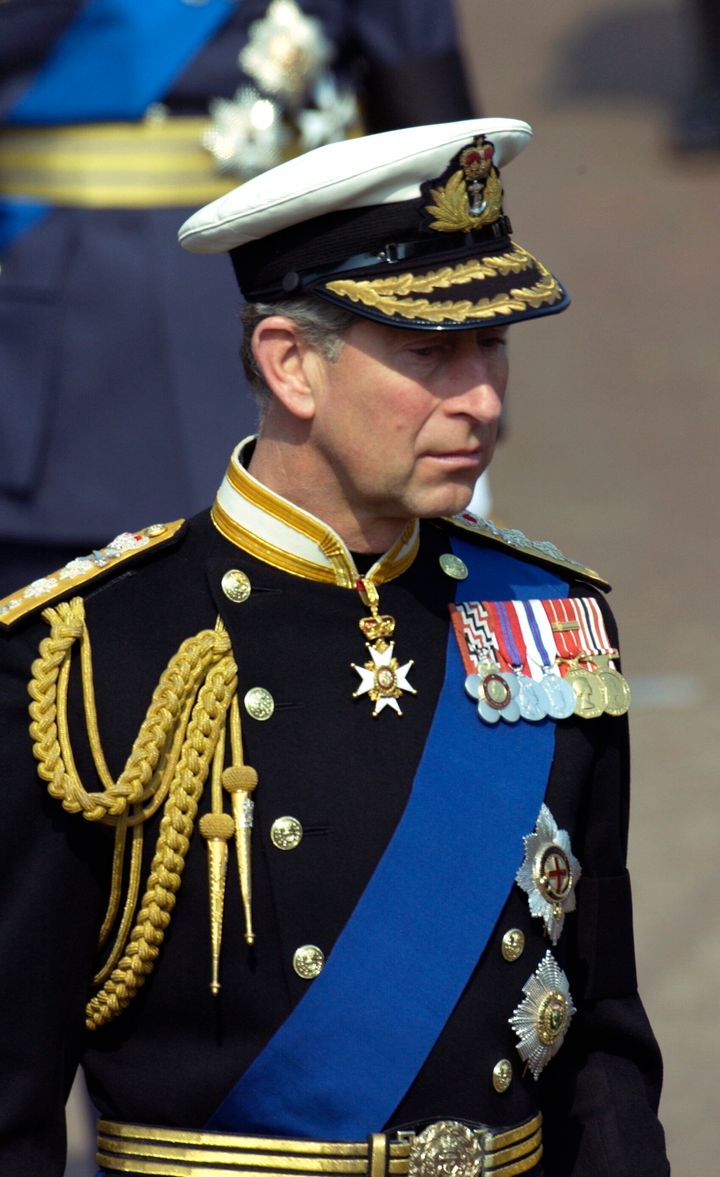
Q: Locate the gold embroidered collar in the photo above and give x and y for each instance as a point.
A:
(281, 534)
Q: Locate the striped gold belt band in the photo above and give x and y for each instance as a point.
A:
(152, 164)
(470, 1151)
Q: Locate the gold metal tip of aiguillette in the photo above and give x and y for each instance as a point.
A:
(216, 828)
(241, 780)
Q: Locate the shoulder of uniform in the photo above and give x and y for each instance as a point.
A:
(83, 572)
(543, 551)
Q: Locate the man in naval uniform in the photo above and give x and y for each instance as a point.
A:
(315, 828)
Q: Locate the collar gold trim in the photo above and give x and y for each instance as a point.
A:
(281, 534)
(268, 553)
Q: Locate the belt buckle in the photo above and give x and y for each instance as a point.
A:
(446, 1149)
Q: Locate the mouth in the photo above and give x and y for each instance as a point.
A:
(459, 459)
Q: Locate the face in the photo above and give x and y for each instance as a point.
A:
(405, 421)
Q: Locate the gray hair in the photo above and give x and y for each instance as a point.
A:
(321, 324)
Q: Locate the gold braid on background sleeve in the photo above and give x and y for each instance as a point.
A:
(168, 764)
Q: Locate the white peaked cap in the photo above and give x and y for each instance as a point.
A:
(406, 228)
(356, 173)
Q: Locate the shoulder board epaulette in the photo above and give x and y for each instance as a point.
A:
(542, 550)
(81, 571)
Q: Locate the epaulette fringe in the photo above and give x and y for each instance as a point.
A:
(542, 550)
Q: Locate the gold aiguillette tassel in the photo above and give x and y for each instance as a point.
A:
(216, 828)
(241, 781)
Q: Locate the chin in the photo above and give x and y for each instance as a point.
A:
(448, 501)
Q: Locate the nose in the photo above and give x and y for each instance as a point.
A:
(478, 386)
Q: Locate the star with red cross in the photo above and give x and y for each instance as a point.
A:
(549, 873)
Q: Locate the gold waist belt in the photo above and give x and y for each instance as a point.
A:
(444, 1147)
(152, 164)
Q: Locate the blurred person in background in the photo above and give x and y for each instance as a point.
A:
(698, 125)
(119, 118)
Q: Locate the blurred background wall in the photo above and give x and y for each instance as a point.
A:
(612, 445)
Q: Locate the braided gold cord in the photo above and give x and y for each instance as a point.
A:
(67, 626)
(49, 727)
(207, 722)
(156, 793)
(134, 821)
(168, 765)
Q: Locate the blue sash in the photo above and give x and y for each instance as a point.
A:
(16, 216)
(344, 1058)
(114, 60)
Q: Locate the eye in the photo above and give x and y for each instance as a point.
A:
(491, 340)
(429, 349)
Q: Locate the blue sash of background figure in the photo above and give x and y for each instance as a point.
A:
(114, 60)
(344, 1058)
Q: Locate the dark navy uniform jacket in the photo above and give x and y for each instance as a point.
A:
(118, 351)
(322, 758)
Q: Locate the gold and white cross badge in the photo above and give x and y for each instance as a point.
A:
(382, 678)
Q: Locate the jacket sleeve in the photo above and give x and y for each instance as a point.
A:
(600, 1096)
(54, 886)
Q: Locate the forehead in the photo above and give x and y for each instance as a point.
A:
(365, 332)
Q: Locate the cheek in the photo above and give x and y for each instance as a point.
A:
(501, 377)
(408, 408)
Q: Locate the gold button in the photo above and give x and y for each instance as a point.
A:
(155, 529)
(453, 566)
(308, 961)
(286, 833)
(502, 1075)
(236, 586)
(259, 703)
(513, 944)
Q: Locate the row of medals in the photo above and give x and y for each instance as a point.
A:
(590, 687)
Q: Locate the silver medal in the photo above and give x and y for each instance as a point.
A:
(531, 699)
(559, 695)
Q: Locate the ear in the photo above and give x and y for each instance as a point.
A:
(286, 361)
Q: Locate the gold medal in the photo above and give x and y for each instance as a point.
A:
(594, 649)
(586, 685)
(614, 685)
